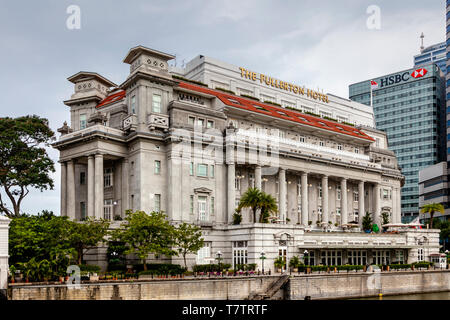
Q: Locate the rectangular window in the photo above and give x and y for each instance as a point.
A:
(191, 204)
(211, 173)
(302, 139)
(82, 177)
(338, 193)
(319, 214)
(338, 215)
(356, 216)
(108, 177)
(420, 256)
(191, 120)
(156, 103)
(157, 202)
(321, 143)
(202, 170)
(204, 253)
(385, 194)
(212, 205)
(356, 150)
(133, 104)
(83, 210)
(191, 168)
(357, 257)
(157, 167)
(202, 211)
(355, 195)
(319, 188)
(210, 124)
(339, 146)
(240, 253)
(331, 257)
(83, 121)
(399, 256)
(381, 257)
(107, 209)
(200, 122)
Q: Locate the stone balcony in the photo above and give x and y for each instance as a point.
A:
(98, 128)
(158, 120)
(307, 148)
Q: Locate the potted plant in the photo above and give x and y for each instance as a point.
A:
(237, 217)
(294, 262)
(12, 271)
(318, 222)
(385, 218)
(336, 224)
(279, 264)
(367, 222)
(309, 222)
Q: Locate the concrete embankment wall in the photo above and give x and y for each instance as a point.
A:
(170, 289)
(331, 286)
(320, 286)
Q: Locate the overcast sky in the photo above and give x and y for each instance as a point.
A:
(319, 44)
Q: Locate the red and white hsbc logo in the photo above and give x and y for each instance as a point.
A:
(419, 73)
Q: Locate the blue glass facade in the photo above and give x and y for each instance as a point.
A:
(410, 108)
(433, 54)
(447, 82)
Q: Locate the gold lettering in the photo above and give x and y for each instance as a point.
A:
(301, 91)
(242, 72)
(295, 89)
(253, 76)
(267, 80)
(247, 74)
(290, 87)
(261, 78)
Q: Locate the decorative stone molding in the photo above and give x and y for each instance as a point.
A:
(160, 121)
(130, 123)
(65, 129)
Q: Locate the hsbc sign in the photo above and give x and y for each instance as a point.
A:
(402, 77)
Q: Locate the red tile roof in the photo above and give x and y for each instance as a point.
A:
(278, 112)
(112, 98)
(262, 108)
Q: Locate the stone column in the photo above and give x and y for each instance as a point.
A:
(361, 209)
(98, 188)
(304, 186)
(344, 203)
(325, 200)
(70, 189)
(4, 230)
(125, 186)
(282, 195)
(90, 187)
(399, 206)
(258, 177)
(63, 189)
(231, 191)
(377, 211)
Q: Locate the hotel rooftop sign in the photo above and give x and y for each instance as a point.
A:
(269, 81)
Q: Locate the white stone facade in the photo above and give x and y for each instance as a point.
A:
(4, 268)
(158, 143)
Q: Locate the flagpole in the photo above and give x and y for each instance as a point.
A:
(371, 95)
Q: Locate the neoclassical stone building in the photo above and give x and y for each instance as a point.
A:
(161, 142)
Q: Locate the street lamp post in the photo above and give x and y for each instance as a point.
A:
(446, 257)
(263, 256)
(219, 254)
(305, 256)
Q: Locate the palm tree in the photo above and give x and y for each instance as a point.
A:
(268, 206)
(251, 199)
(431, 208)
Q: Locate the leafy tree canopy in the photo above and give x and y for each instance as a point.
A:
(188, 239)
(24, 162)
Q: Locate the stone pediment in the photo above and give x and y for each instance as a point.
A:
(202, 190)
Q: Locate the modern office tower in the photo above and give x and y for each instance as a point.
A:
(447, 78)
(432, 54)
(410, 107)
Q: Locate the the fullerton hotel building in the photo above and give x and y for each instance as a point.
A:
(161, 141)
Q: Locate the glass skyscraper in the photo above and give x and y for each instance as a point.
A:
(447, 81)
(410, 107)
(433, 54)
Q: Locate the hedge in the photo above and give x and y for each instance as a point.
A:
(271, 102)
(189, 80)
(250, 97)
(160, 269)
(225, 90)
(89, 268)
(211, 267)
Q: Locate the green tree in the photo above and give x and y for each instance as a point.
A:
(146, 233)
(431, 208)
(385, 217)
(24, 162)
(367, 221)
(268, 206)
(87, 234)
(251, 199)
(188, 239)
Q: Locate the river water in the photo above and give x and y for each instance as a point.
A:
(420, 296)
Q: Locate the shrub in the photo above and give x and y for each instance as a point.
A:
(237, 218)
(422, 264)
(225, 90)
(250, 97)
(397, 266)
(90, 268)
(251, 267)
(160, 269)
(274, 103)
(211, 267)
(189, 80)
